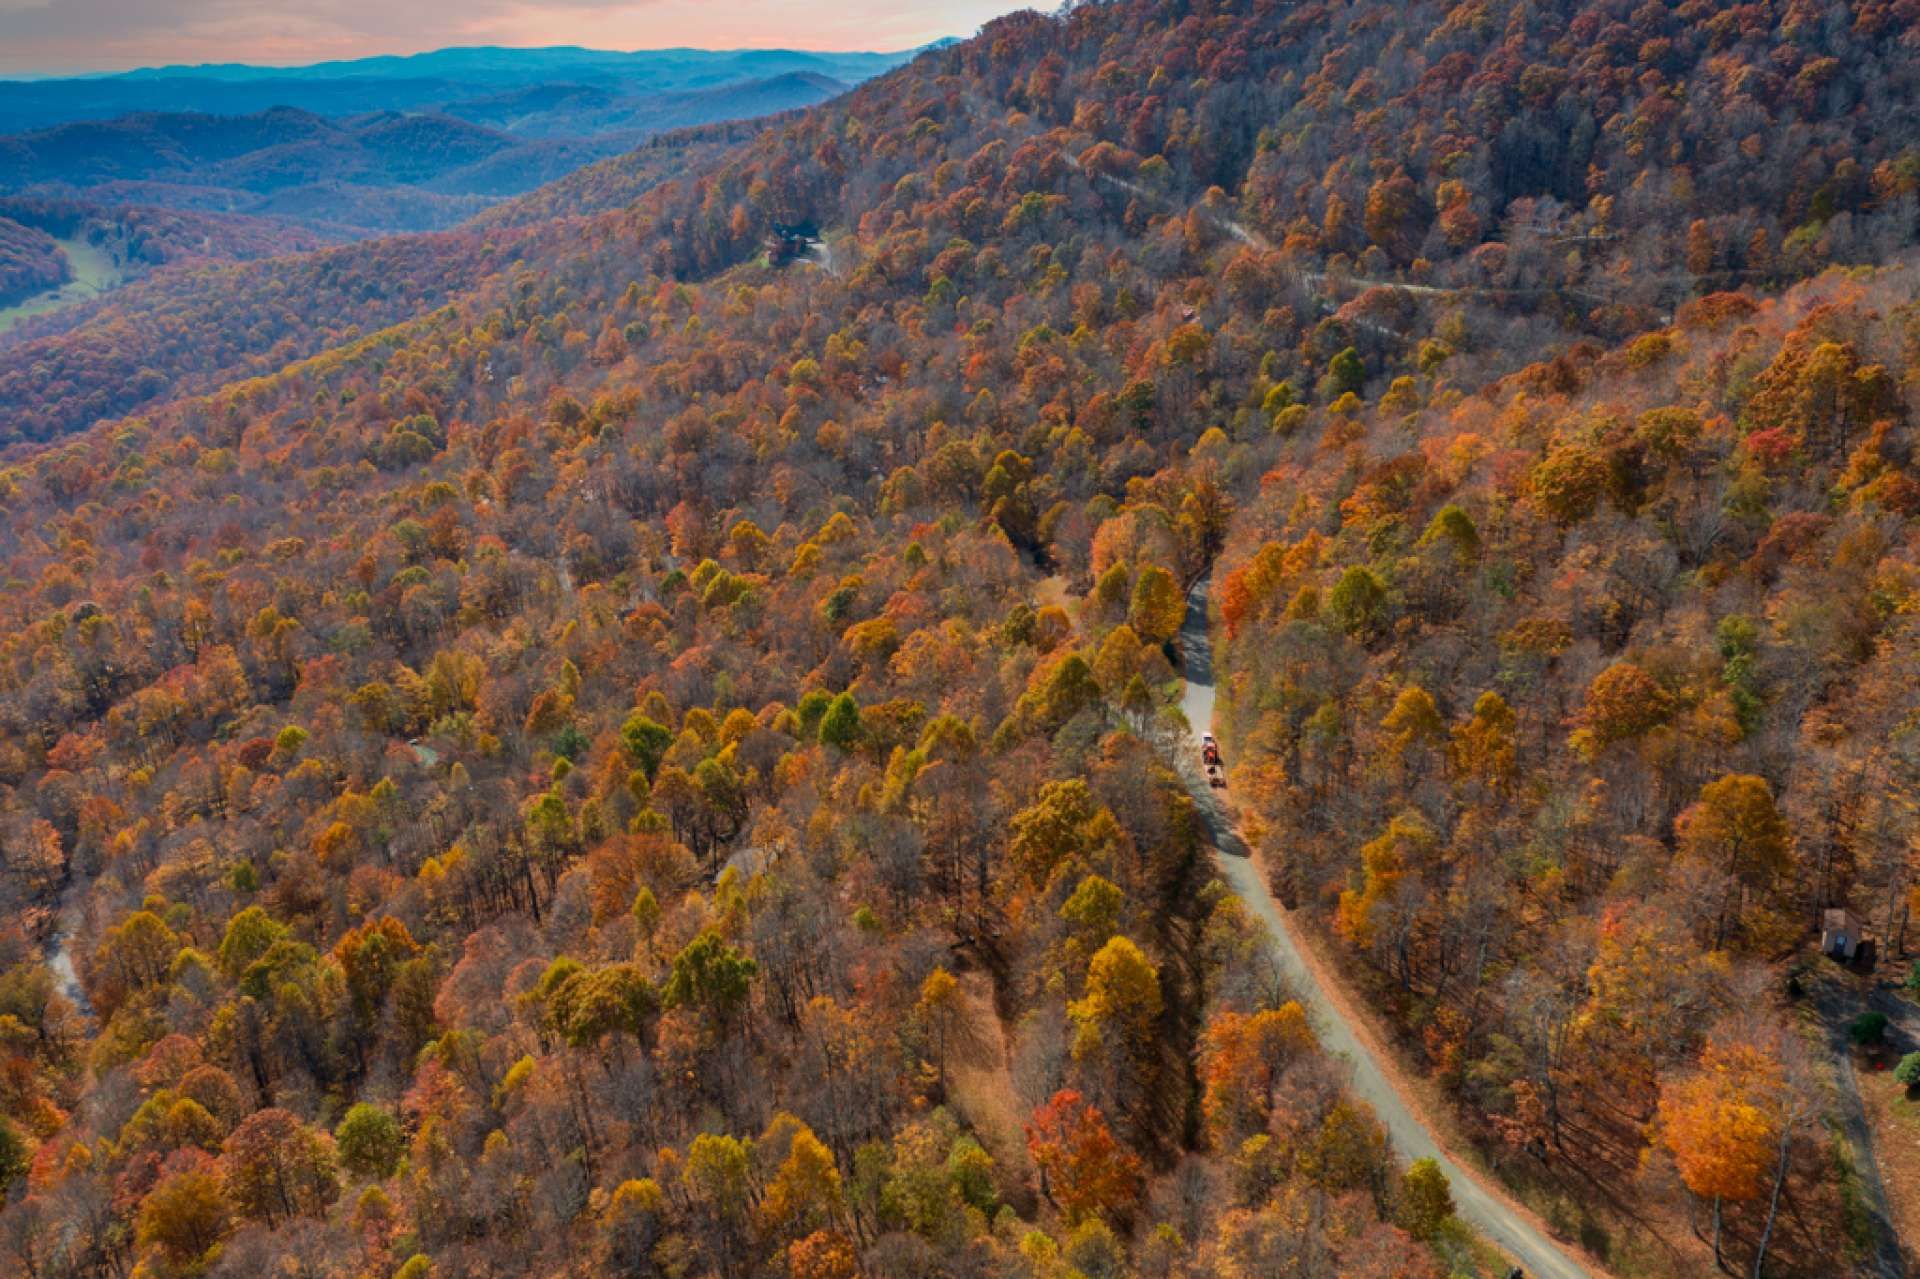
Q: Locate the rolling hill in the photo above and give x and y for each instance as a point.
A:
(30, 262)
(384, 144)
(640, 735)
(277, 148)
(183, 185)
(366, 173)
(413, 82)
(96, 248)
(179, 332)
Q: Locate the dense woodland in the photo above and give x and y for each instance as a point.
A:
(210, 322)
(665, 762)
(203, 326)
(30, 261)
(1572, 703)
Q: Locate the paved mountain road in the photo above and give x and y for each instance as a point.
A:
(1485, 1208)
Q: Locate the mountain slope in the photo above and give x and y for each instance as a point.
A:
(1619, 594)
(200, 327)
(143, 237)
(1419, 218)
(182, 333)
(365, 173)
(677, 733)
(259, 154)
(30, 262)
(619, 181)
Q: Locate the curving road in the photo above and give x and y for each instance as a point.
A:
(1485, 1208)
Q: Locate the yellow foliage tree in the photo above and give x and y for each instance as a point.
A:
(1717, 1124)
(1115, 1018)
(804, 1194)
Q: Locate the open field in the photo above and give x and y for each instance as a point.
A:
(94, 272)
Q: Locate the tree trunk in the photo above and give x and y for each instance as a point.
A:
(1773, 1201)
(1717, 1261)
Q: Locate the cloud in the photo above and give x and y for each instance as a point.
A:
(45, 36)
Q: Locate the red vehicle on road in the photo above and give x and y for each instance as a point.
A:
(1210, 760)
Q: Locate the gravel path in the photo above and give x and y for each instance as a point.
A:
(1481, 1205)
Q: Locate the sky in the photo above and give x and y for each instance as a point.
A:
(46, 37)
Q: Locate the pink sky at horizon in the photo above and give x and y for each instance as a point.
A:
(54, 37)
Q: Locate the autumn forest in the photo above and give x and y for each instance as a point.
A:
(652, 732)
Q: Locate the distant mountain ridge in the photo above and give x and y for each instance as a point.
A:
(274, 148)
(385, 144)
(415, 81)
(714, 65)
(559, 110)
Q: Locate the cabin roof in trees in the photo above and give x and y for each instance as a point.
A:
(1839, 917)
(1841, 932)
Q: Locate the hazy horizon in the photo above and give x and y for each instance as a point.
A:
(54, 39)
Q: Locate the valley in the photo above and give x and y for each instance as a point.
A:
(385, 146)
(94, 272)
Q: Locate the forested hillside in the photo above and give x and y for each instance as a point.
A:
(189, 331)
(618, 181)
(1570, 704)
(30, 261)
(664, 762)
(382, 171)
(143, 238)
(193, 329)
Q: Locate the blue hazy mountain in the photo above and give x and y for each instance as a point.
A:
(387, 143)
(416, 81)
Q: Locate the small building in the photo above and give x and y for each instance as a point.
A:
(1842, 934)
(790, 240)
